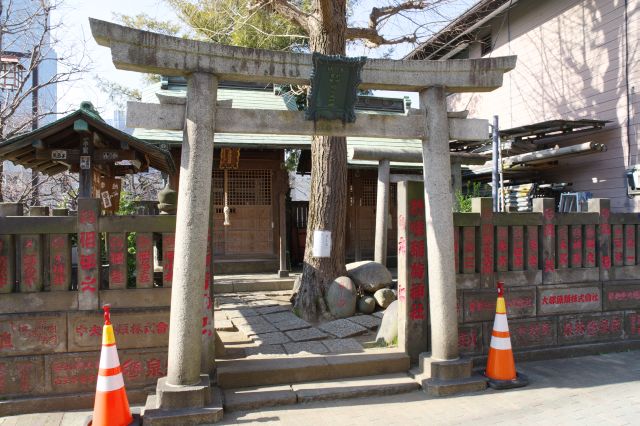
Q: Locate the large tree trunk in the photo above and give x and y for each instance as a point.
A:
(328, 199)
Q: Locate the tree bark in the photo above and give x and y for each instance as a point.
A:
(328, 199)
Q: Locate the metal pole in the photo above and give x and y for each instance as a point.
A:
(494, 159)
(502, 200)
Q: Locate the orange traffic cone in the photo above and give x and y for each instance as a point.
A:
(111, 407)
(501, 368)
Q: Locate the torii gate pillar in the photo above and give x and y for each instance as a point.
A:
(185, 386)
(439, 221)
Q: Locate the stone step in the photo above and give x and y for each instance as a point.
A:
(211, 413)
(241, 373)
(245, 399)
(440, 387)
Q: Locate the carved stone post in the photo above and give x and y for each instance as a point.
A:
(439, 221)
(443, 371)
(191, 231)
(185, 387)
(382, 212)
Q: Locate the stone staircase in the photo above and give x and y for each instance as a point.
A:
(249, 384)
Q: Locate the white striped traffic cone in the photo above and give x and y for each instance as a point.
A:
(501, 367)
(111, 407)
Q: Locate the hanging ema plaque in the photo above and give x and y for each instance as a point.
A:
(334, 85)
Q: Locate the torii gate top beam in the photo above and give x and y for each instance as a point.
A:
(142, 51)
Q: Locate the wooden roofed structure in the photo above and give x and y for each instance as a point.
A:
(82, 142)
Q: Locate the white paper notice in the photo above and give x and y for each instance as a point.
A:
(321, 243)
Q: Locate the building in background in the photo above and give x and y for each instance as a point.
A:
(577, 64)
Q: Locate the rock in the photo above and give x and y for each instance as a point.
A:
(341, 297)
(366, 304)
(369, 275)
(388, 331)
(296, 288)
(384, 297)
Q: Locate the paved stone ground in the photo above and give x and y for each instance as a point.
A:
(263, 325)
(594, 390)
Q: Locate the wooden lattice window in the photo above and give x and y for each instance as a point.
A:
(370, 193)
(369, 189)
(249, 187)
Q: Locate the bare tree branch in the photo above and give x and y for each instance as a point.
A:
(287, 10)
(374, 39)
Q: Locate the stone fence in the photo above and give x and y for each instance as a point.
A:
(50, 318)
(572, 279)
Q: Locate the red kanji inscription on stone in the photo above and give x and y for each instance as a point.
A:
(416, 207)
(87, 217)
(417, 228)
(88, 240)
(417, 271)
(88, 284)
(417, 311)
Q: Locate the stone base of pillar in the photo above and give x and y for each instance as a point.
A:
(443, 378)
(283, 273)
(185, 405)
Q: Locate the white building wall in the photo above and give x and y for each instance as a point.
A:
(571, 65)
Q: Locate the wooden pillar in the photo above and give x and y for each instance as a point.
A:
(282, 210)
(85, 175)
(382, 212)
(439, 225)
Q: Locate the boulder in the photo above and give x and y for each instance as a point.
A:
(366, 304)
(341, 298)
(369, 275)
(388, 331)
(384, 297)
(296, 288)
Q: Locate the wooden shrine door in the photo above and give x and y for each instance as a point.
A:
(250, 233)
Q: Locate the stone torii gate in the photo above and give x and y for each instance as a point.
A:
(204, 64)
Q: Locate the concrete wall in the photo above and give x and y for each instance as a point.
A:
(571, 65)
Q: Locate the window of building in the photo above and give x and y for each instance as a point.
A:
(11, 72)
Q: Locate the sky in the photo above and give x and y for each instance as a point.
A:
(75, 35)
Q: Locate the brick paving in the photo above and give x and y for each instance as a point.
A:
(593, 390)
